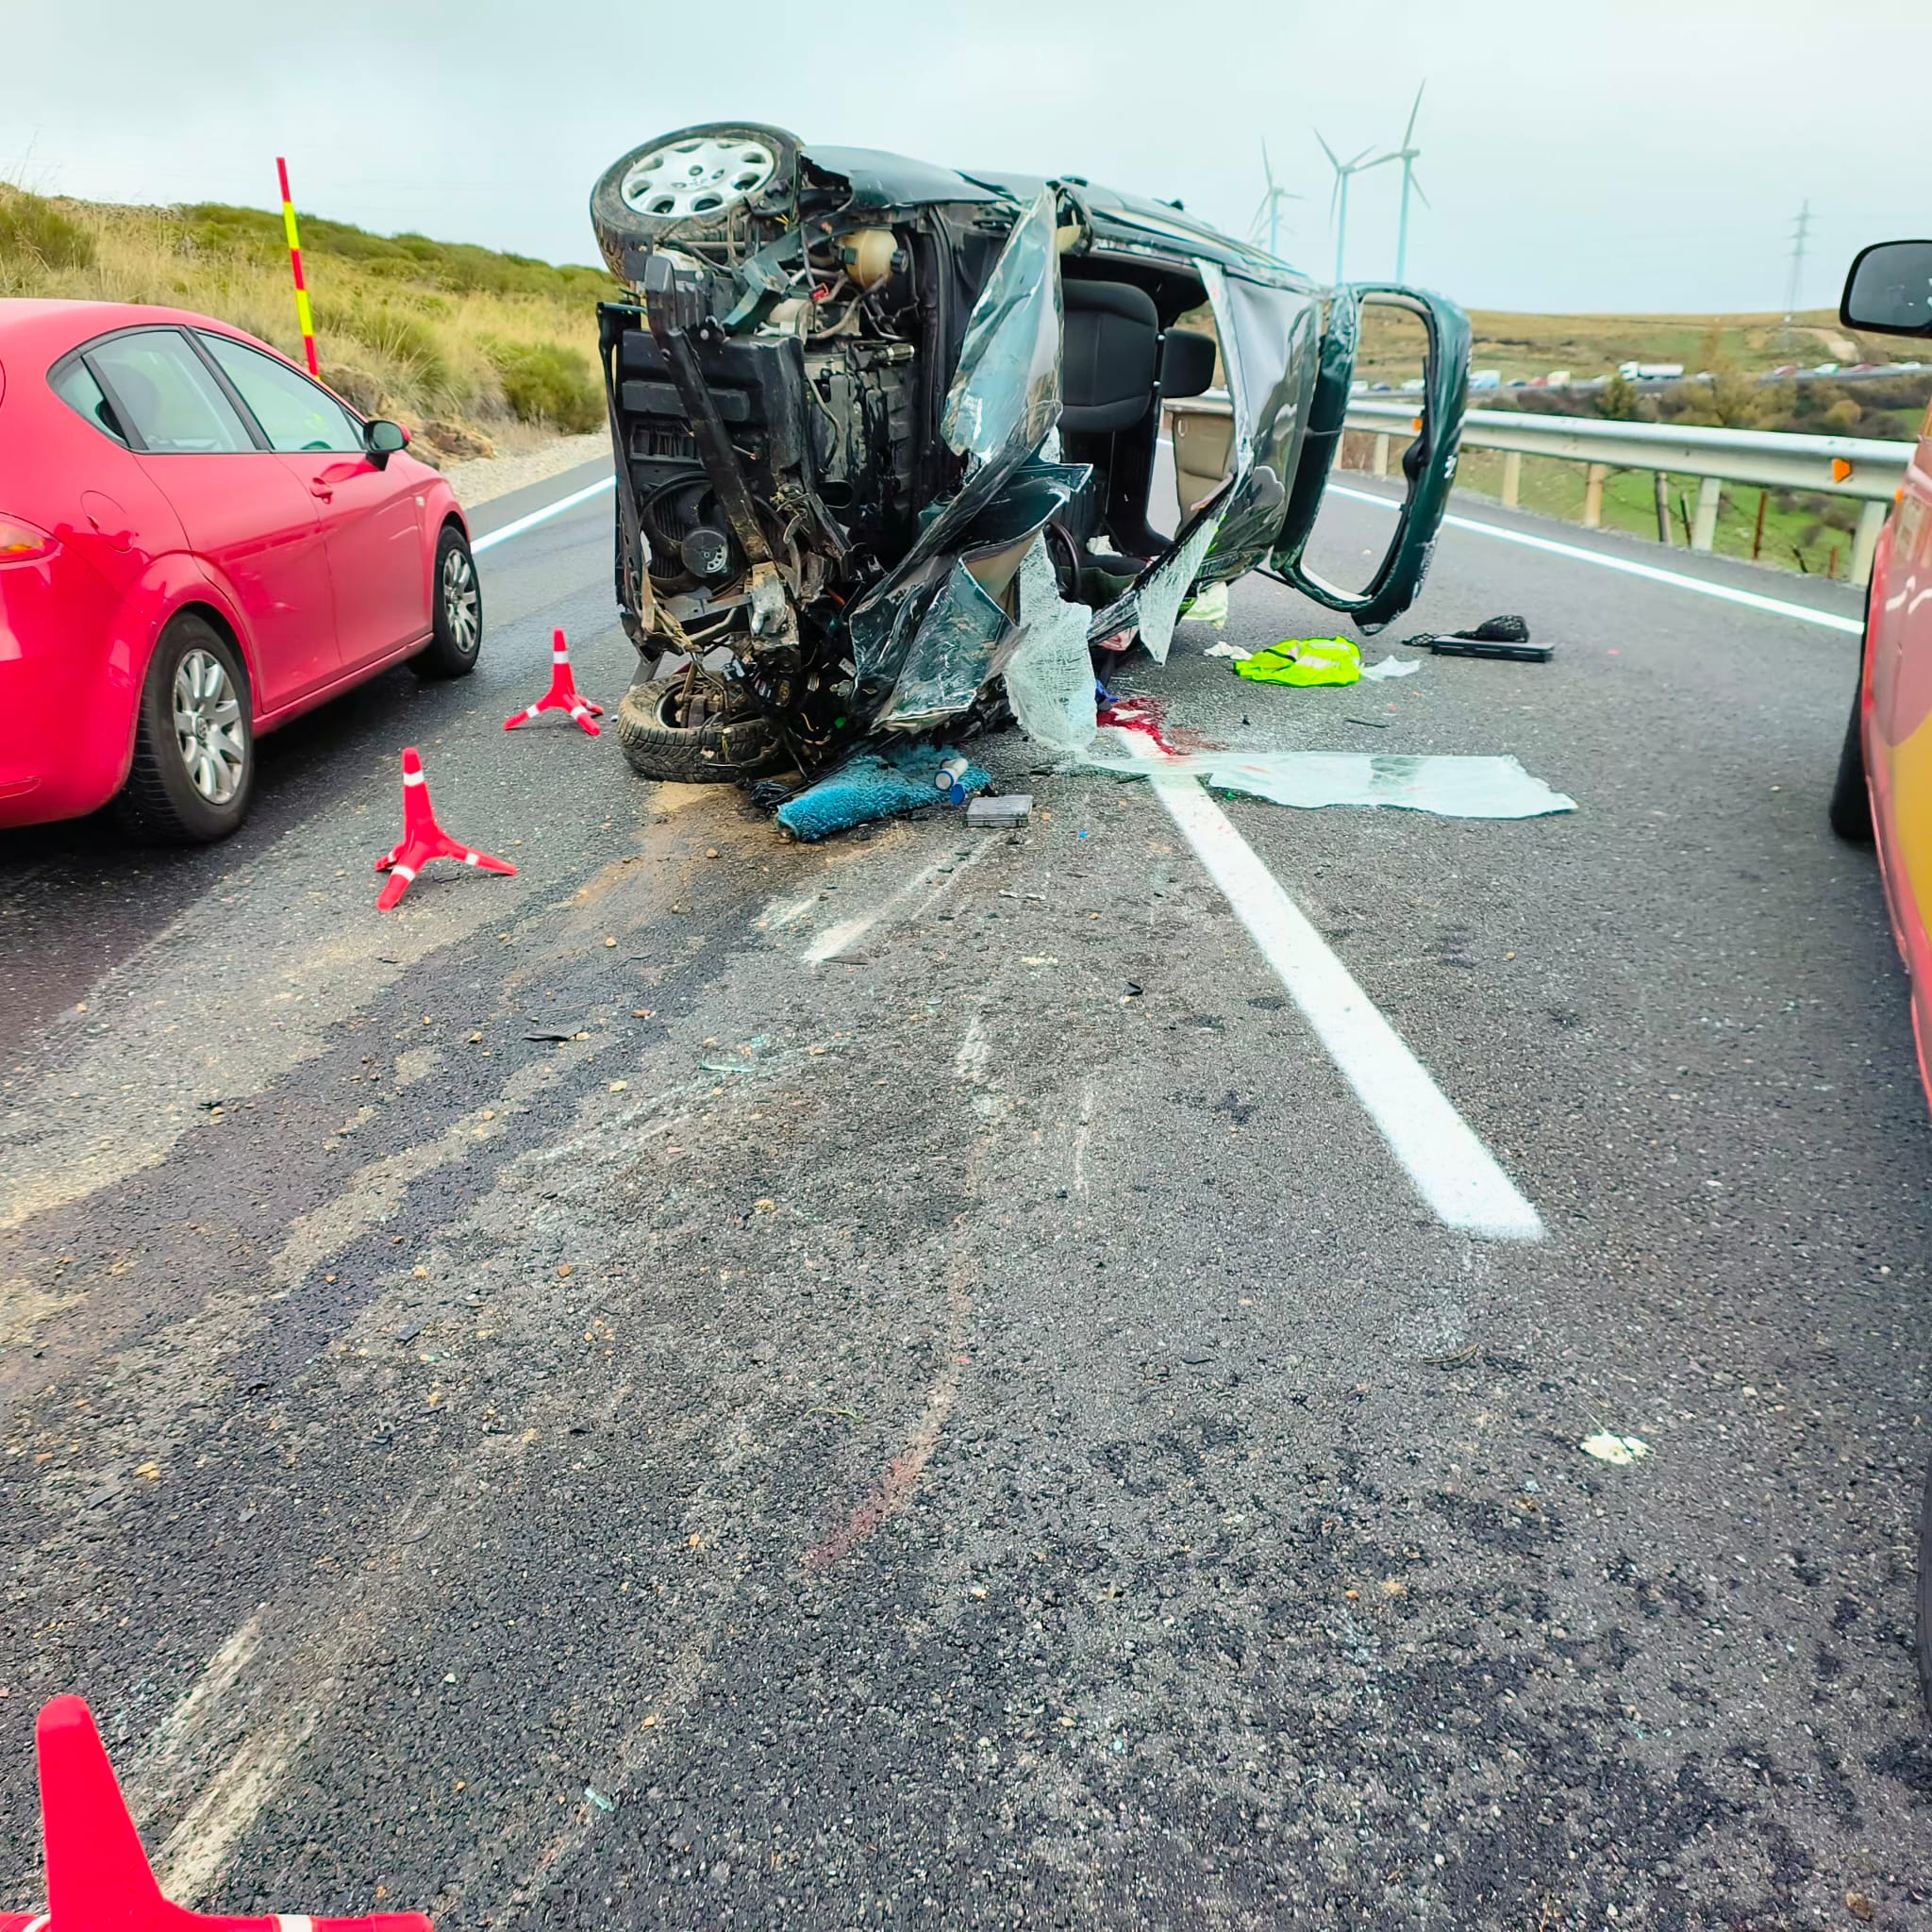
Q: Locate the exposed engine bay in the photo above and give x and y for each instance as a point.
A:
(852, 394)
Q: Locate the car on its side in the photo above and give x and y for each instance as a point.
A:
(1884, 790)
(198, 542)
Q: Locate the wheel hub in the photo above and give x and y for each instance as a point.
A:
(208, 727)
(701, 177)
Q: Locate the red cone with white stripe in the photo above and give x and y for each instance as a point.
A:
(97, 1875)
(563, 695)
(422, 840)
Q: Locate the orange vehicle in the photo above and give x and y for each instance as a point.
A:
(1883, 789)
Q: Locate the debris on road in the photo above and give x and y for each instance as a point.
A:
(1000, 814)
(597, 1798)
(1390, 667)
(1495, 637)
(874, 786)
(562, 694)
(1227, 650)
(1447, 787)
(1621, 1451)
(424, 839)
(1210, 607)
(1304, 661)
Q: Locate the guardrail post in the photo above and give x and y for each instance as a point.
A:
(1381, 463)
(1512, 478)
(1703, 531)
(1871, 521)
(1593, 495)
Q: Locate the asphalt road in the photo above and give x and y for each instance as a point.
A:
(718, 1382)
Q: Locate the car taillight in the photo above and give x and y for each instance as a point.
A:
(22, 541)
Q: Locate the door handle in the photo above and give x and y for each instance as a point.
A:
(323, 491)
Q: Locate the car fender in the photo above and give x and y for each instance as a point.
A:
(439, 505)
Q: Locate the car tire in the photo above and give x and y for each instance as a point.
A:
(1851, 799)
(457, 633)
(627, 231)
(194, 770)
(719, 749)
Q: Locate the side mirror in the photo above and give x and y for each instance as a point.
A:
(1890, 290)
(383, 440)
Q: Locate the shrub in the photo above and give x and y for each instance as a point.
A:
(545, 382)
(1842, 414)
(33, 230)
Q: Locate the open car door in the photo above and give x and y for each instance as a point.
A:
(1428, 465)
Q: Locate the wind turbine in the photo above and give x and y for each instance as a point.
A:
(1338, 201)
(1407, 154)
(1270, 209)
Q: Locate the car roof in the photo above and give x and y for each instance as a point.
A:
(30, 327)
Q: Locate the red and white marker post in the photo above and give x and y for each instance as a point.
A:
(302, 308)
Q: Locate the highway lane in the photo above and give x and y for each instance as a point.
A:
(943, 1405)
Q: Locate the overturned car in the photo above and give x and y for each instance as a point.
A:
(886, 440)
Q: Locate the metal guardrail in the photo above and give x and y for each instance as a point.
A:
(1854, 466)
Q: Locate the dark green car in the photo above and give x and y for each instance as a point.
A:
(887, 434)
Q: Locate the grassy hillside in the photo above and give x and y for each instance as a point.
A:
(434, 332)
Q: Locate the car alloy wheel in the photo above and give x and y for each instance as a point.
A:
(702, 175)
(462, 604)
(208, 727)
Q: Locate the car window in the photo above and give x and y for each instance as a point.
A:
(174, 404)
(295, 414)
(76, 387)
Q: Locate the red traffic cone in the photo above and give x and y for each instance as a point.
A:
(422, 840)
(562, 694)
(97, 1873)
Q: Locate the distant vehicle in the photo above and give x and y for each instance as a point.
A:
(1650, 372)
(1786, 369)
(197, 544)
(1414, 386)
(1884, 790)
(1486, 379)
(1556, 378)
(1824, 369)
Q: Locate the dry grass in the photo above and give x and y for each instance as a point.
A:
(409, 326)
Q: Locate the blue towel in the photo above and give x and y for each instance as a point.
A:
(873, 785)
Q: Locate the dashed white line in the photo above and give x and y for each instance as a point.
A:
(1452, 1171)
(1724, 593)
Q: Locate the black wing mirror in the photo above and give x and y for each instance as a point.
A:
(384, 439)
(1890, 290)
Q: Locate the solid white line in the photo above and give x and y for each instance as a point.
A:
(834, 938)
(1777, 607)
(541, 516)
(1451, 1168)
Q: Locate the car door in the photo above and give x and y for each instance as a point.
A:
(371, 517)
(255, 531)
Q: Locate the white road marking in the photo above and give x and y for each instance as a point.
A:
(1081, 1134)
(1451, 1168)
(1726, 593)
(976, 1051)
(541, 516)
(834, 938)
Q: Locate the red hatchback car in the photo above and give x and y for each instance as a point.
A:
(197, 544)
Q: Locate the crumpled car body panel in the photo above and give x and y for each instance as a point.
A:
(960, 433)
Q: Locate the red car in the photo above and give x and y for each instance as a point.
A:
(1885, 774)
(197, 544)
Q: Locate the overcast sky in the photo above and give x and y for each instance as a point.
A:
(1580, 155)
